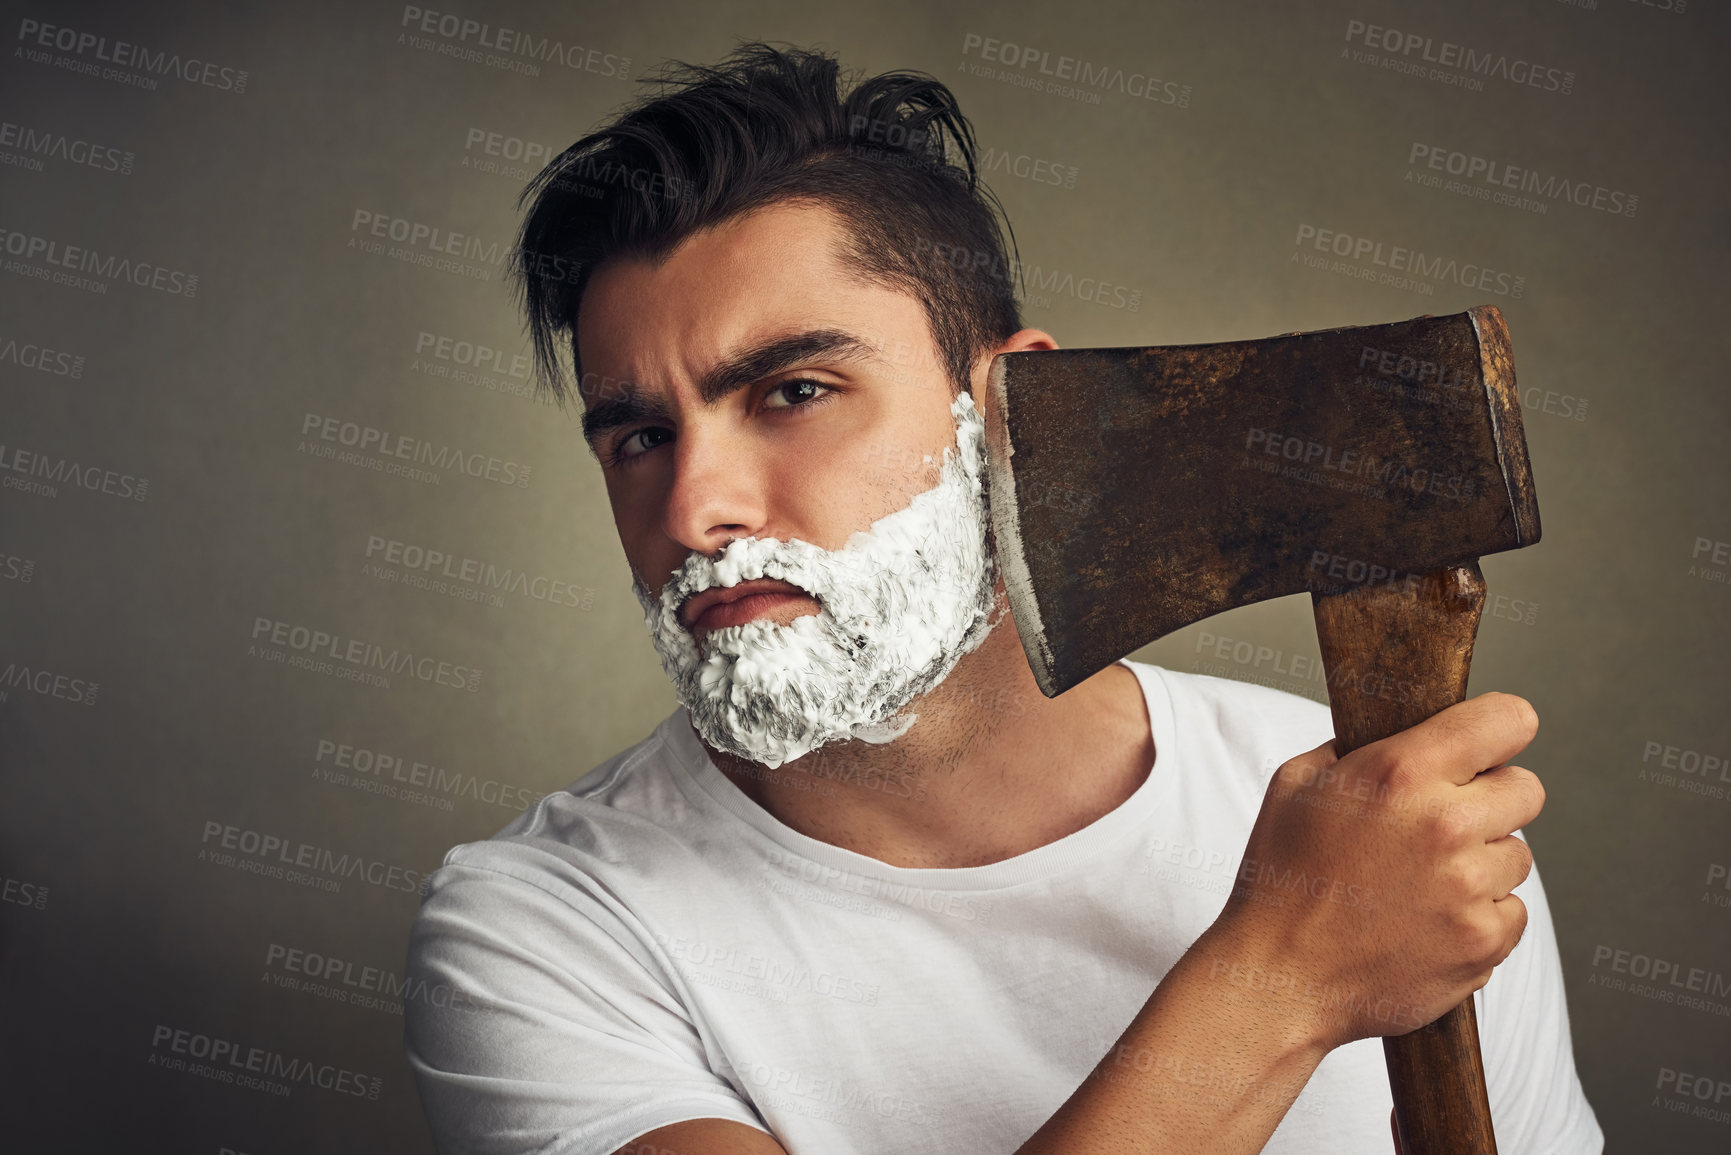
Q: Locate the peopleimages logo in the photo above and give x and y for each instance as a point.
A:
(35, 36)
(466, 577)
(511, 48)
(473, 363)
(40, 358)
(1495, 176)
(1039, 170)
(1446, 55)
(89, 269)
(20, 893)
(1661, 979)
(14, 568)
(32, 471)
(367, 987)
(1382, 473)
(506, 146)
(1042, 283)
(46, 683)
(269, 854)
(227, 1061)
(344, 764)
(1070, 75)
(36, 144)
(1390, 264)
(321, 651)
(370, 446)
(1707, 1091)
(433, 239)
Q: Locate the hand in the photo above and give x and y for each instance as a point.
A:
(1374, 894)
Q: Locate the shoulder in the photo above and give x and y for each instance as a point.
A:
(626, 814)
(1239, 714)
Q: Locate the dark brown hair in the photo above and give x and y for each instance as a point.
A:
(894, 157)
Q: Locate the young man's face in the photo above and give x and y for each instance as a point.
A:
(813, 443)
(778, 435)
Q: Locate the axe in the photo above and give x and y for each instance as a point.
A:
(1136, 491)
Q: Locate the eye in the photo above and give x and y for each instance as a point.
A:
(641, 441)
(800, 391)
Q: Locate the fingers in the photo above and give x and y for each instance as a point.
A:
(1513, 915)
(1464, 739)
(1513, 863)
(1501, 801)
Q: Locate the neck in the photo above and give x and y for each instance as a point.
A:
(991, 769)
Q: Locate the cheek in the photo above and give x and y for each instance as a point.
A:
(826, 498)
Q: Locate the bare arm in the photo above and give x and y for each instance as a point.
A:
(1411, 841)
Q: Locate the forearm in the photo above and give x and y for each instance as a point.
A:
(1201, 1070)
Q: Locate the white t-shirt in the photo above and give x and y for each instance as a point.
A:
(651, 946)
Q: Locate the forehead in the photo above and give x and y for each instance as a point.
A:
(772, 272)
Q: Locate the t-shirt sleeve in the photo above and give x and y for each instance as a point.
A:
(539, 1023)
(1537, 1104)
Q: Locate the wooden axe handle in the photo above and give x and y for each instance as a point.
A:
(1397, 652)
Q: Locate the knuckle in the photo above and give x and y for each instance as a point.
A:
(1445, 829)
(1520, 922)
(1508, 939)
(1524, 859)
(1293, 775)
(1519, 712)
(1534, 787)
(1308, 764)
(1400, 770)
(1485, 941)
(1471, 881)
(1458, 889)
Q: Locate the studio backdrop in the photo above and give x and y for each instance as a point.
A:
(301, 585)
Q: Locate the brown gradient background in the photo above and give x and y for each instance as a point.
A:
(1195, 207)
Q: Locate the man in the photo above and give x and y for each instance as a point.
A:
(867, 890)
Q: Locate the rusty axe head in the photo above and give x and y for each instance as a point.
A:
(1135, 491)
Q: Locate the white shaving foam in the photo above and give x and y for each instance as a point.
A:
(900, 604)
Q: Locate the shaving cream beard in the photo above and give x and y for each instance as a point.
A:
(900, 604)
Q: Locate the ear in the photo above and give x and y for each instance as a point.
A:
(1020, 342)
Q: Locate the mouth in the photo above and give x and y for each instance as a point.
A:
(721, 606)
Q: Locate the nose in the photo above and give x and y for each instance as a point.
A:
(717, 493)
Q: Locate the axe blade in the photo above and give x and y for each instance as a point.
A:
(1135, 491)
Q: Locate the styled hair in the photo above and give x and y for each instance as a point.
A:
(894, 157)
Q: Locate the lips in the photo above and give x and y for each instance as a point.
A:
(721, 606)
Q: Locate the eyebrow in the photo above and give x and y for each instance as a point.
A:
(743, 368)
